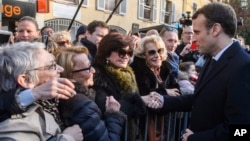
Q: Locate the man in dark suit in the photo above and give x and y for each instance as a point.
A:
(222, 93)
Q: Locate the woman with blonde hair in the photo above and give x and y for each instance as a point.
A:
(81, 109)
(152, 72)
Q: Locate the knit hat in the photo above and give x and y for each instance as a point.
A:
(81, 30)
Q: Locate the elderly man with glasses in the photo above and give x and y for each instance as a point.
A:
(30, 80)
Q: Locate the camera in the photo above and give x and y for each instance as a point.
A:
(186, 19)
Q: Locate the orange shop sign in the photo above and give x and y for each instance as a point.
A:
(17, 9)
(10, 10)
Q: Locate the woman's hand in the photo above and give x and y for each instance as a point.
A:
(112, 105)
(173, 92)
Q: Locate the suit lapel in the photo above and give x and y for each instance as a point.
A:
(220, 65)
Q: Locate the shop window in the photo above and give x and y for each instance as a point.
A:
(109, 5)
(62, 25)
(147, 9)
(167, 12)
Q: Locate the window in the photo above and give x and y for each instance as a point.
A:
(147, 9)
(167, 12)
(243, 4)
(68, 1)
(62, 25)
(109, 5)
(85, 3)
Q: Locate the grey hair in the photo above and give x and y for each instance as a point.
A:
(18, 59)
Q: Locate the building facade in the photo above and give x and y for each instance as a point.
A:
(145, 13)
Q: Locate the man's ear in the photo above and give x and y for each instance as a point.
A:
(24, 81)
(216, 29)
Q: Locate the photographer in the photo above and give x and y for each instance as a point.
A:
(187, 50)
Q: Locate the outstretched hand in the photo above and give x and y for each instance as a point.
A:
(153, 100)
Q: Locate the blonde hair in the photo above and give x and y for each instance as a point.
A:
(65, 57)
(157, 40)
(61, 36)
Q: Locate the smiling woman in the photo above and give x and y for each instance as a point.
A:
(81, 109)
(114, 77)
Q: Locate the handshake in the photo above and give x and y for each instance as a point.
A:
(153, 100)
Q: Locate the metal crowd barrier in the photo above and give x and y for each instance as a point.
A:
(175, 124)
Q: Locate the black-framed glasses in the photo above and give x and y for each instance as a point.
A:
(153, 52)
(84, 69)
(122, 53)
(48, 67)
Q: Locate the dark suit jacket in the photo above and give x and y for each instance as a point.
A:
(221, 99)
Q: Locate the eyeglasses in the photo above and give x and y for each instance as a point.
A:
(62, 43)
(189, 33)
(48, 67)
(153, 52)
(85, 69)
(122, 53)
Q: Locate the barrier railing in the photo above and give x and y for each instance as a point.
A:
(175, 124)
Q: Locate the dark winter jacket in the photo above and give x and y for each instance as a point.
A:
(91, 47)
(9, 104)
(83, 111)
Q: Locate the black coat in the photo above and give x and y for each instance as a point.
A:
(220, 100)
(83, 111)
(9, 104)
(131, 103)
(91, 47)
(146, 79)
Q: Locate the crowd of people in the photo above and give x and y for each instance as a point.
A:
(99, 85)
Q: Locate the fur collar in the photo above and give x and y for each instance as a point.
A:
(123, 78)
(88, 92)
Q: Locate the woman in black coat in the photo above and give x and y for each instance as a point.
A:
(81, 109)
(114, 77)
(152, 74)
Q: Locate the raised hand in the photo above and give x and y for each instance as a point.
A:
(54, 88)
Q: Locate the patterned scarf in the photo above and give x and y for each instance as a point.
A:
(50, 106)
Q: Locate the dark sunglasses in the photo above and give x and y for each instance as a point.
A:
(153, 52)
(62, 43)
(88, 69)
(122, 53)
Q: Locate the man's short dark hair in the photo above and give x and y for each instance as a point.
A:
(220, 13)
(92, 25)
